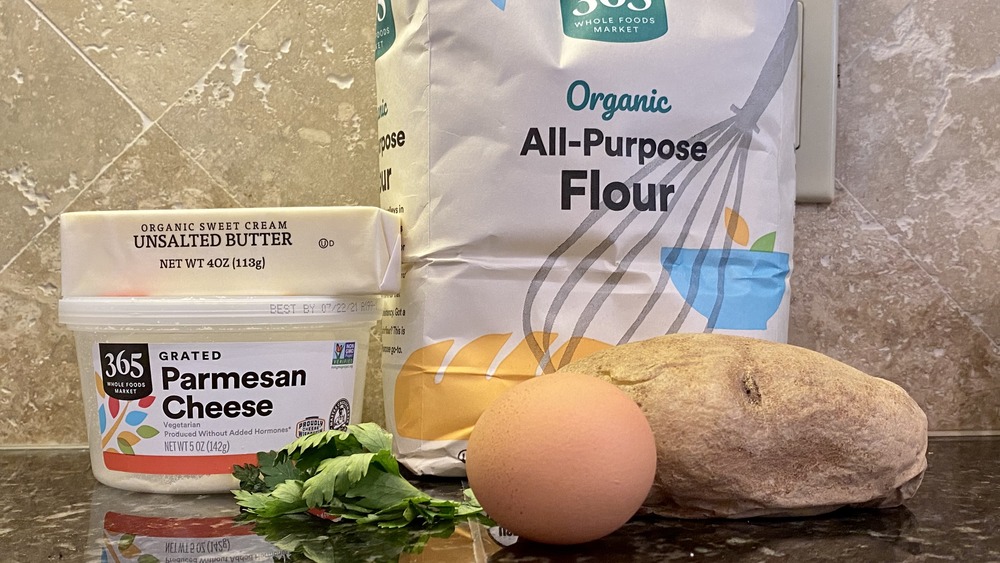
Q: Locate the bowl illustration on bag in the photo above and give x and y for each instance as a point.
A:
(733, 288)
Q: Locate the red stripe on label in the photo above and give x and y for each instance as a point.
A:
(176, 464)
(152, 527)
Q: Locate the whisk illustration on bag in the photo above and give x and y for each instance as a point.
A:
(732, 288)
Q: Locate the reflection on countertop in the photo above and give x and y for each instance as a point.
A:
(53, 510)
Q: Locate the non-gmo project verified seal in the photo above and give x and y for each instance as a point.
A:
(343, 354)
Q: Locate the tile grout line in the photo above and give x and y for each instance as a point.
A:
(962, 433)
(241, 37)
(83, 447)
(146, 121)
(187, 154)
(57, 448)
(909, 256)
(147, 124)
(934, 280)
(70, 203)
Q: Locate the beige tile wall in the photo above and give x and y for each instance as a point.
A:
(182, 103)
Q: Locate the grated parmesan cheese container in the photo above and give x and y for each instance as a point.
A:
(182, 379)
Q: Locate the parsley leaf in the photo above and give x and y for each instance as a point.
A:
(351, 474)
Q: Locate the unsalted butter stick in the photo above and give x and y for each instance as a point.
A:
(264, 251)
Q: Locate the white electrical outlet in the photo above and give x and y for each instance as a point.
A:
(815, 151)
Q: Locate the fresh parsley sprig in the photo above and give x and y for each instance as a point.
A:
(348, 474)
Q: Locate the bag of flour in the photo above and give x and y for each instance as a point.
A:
(573, 175)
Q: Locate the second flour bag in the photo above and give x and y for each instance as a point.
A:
(572, 175)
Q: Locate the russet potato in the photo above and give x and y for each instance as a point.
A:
(747, 427)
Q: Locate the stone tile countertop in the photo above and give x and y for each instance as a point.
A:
(54, 510)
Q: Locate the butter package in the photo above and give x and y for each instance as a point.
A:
(264, 251)
(572, 175)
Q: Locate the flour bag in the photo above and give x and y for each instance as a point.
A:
(572, 175)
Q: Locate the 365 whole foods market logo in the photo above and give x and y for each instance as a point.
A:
(343, 354)
(614, 21)
(125, 392)
(125, 370)
(385, 27)
(734, 288)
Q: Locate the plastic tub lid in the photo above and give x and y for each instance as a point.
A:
(215, 311)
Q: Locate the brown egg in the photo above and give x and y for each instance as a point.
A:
(563, 458)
